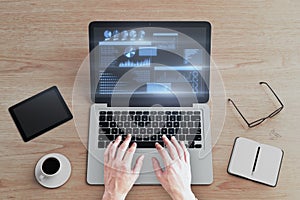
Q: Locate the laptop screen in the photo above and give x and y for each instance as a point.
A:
(149, 63)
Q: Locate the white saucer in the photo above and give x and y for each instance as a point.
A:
(59, 179)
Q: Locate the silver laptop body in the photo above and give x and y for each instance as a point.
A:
(201, 151)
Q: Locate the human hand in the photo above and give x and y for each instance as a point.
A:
(176, 177)
(118, 175)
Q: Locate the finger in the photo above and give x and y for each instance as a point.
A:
(158, 170)
(186, 153)
(164, 154)
(138, 164)
(106, 153)
(178, 147)
(129, 154)
(123, 147)
(171, 148)
(114, 147)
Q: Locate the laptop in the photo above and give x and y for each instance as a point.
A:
(150, 79)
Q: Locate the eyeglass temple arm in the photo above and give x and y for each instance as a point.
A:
(239, 112)
(265, 83)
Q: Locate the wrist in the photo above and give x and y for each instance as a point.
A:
(184, 196)
(113, 196)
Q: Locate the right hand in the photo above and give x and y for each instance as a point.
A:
(176, 177)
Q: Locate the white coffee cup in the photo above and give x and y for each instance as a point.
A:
(53, 170)
(49, 168)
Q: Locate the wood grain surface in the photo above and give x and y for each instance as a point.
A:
(43, 43)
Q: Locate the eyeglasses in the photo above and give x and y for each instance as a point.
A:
(259, 121)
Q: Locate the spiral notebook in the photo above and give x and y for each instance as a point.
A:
(254, 161)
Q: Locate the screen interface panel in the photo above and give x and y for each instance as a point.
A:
(150, 59)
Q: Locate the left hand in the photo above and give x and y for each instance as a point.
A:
(118, 175)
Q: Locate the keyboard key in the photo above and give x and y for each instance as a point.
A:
(120, 124)
(162, 124)
(181, 137)
(168, 112)
(196, 112)
(158, 118)
(182, 124)
(176, 124)
(174, 112)
(185, 131)
(195, 118)
(146, 137)
(126, 124)
(116, 117)
(197, 124)
(131, 112)
(153, 112)
(146, 113)
(156, 131)
(154, 124)
(171, 131)
(102, 137)
(117, 112)
(190, 137)
(113, 124)
(144, 118)
(186, 118)
(189, 112)
(165, 118)
(142, 131)
(137, 118)
(121, 131)
(135, 131)
(109, 112)
(145, 144)
(102, 112)
(109, 118)
(102, 118)
(149, 131)
(190, 124)
(164, 131)
(151, 118)
(179, 118)
(172, 118)
(125, 112)
(153, 137)
(101, 144)
(160, 112)
(139, 137)
(159, 137)
(141, 124)
(133, 124)
(114, 131)
(104, 130)
(138, 112)
(169, 124)
(103, 124)
(123, 117)
(148, 124)
(195, 131)
(128, 131)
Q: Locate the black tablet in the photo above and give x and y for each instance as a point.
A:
(40, 113)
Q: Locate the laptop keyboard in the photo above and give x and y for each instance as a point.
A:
(148, 127)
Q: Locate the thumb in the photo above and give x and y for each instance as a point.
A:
(138, 164)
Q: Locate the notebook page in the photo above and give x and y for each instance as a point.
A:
(268, 164)
(243, 157)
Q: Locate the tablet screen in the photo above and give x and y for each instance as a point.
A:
(40, 113)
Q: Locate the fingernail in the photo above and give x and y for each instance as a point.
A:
(173, 138)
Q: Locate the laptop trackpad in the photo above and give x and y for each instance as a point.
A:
(147, 174)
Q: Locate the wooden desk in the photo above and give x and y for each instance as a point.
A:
(43, 44)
